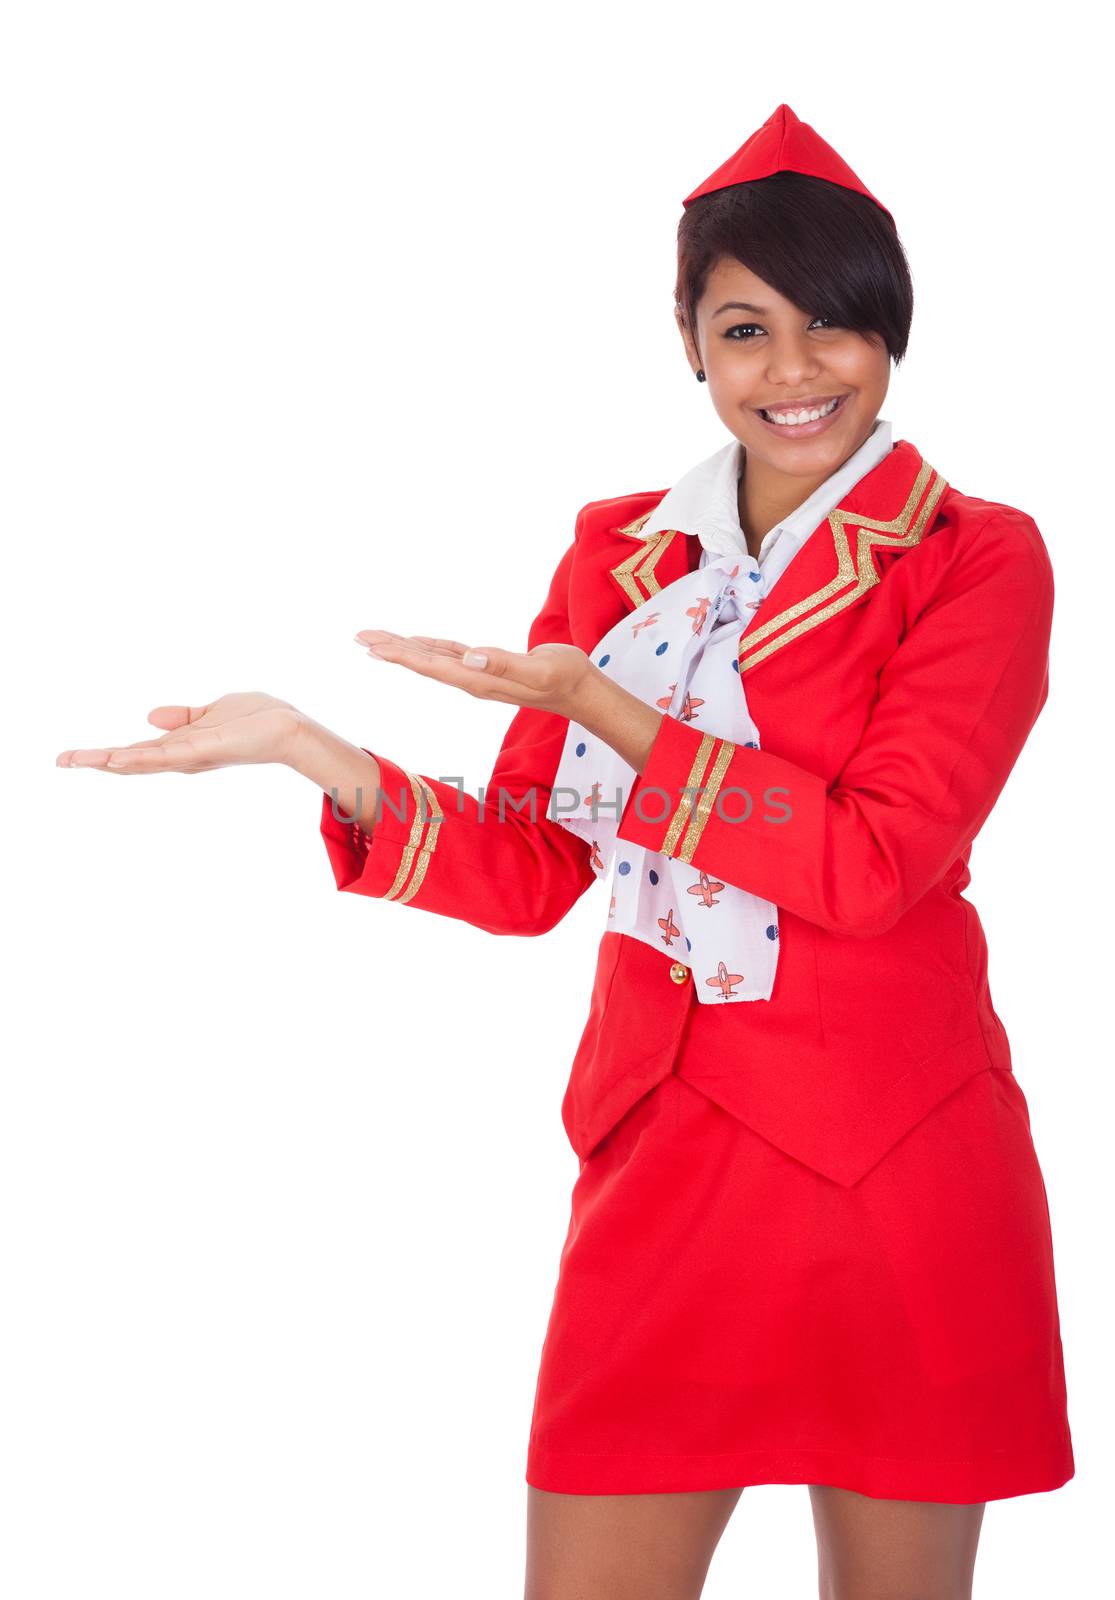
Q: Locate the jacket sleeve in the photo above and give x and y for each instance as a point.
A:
(495, 858)
(956, 701)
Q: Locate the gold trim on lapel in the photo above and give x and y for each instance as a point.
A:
(639, 566)
(855, 573)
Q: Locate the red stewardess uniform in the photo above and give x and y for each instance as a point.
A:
(809, 1241)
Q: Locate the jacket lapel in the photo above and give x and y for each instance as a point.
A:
(651, 564)
(886, 513)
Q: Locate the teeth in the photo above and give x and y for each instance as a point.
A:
(794, 419)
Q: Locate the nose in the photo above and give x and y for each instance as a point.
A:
(791, 361)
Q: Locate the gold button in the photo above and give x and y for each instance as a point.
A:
(679, 972)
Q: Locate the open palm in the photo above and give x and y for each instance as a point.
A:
(236, 730)
(547, 677)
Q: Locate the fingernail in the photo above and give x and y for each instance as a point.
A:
(474, 658)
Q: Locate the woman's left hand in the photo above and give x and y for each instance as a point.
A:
(551, 677)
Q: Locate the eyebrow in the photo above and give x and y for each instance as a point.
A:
(740, 305)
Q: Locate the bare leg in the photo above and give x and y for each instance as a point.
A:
(871, 1549)
(623, 1546)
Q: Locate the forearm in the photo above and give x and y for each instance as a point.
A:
(498, 862)
(348, 774)
(621, 719)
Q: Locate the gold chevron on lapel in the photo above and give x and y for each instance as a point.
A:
(638, 567)
(855, 569)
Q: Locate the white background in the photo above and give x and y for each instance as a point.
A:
(318, 318)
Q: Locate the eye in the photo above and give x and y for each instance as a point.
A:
(750, 328)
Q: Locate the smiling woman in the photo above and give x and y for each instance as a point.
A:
(772, 706)
(751, 256)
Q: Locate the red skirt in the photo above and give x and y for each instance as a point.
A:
(726, 1316)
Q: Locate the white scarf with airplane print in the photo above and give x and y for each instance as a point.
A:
(678, 652)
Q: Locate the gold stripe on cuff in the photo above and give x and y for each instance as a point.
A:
(681, 815)
(707, 801)
(427, 849)
(414, 851)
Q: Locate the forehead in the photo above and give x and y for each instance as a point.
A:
(729, 279)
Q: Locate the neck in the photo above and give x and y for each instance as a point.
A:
(765, 497)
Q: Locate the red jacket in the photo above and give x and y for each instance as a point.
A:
(894, 671)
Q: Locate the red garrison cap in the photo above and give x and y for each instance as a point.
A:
(783, 144)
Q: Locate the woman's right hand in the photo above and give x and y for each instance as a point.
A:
(236, 730)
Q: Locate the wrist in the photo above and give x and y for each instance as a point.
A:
(618, 717)
(300, 744)
(593, 699)
(343, 770)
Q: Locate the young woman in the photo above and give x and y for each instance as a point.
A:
(809, 1240)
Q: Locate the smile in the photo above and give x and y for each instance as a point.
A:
(803, 421)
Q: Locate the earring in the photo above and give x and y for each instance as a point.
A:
(700, 374)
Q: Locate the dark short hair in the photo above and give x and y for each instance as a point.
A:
(829, 250)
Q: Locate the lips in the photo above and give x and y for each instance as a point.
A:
(804, 432)
(812, 404)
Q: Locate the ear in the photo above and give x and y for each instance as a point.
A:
(691, 351)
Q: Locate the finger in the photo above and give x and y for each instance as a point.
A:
(190, 754)
(197, 752)
(374, 637)
(449, 647)
(91, 758)
(446, 668)
(510, 665)
(99, 757)
(82, 758)
(396, 646)
(174, 717)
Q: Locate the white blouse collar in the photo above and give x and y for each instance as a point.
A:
(704, 501)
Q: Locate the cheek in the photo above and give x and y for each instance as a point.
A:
(851, 368)
(863, 368)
